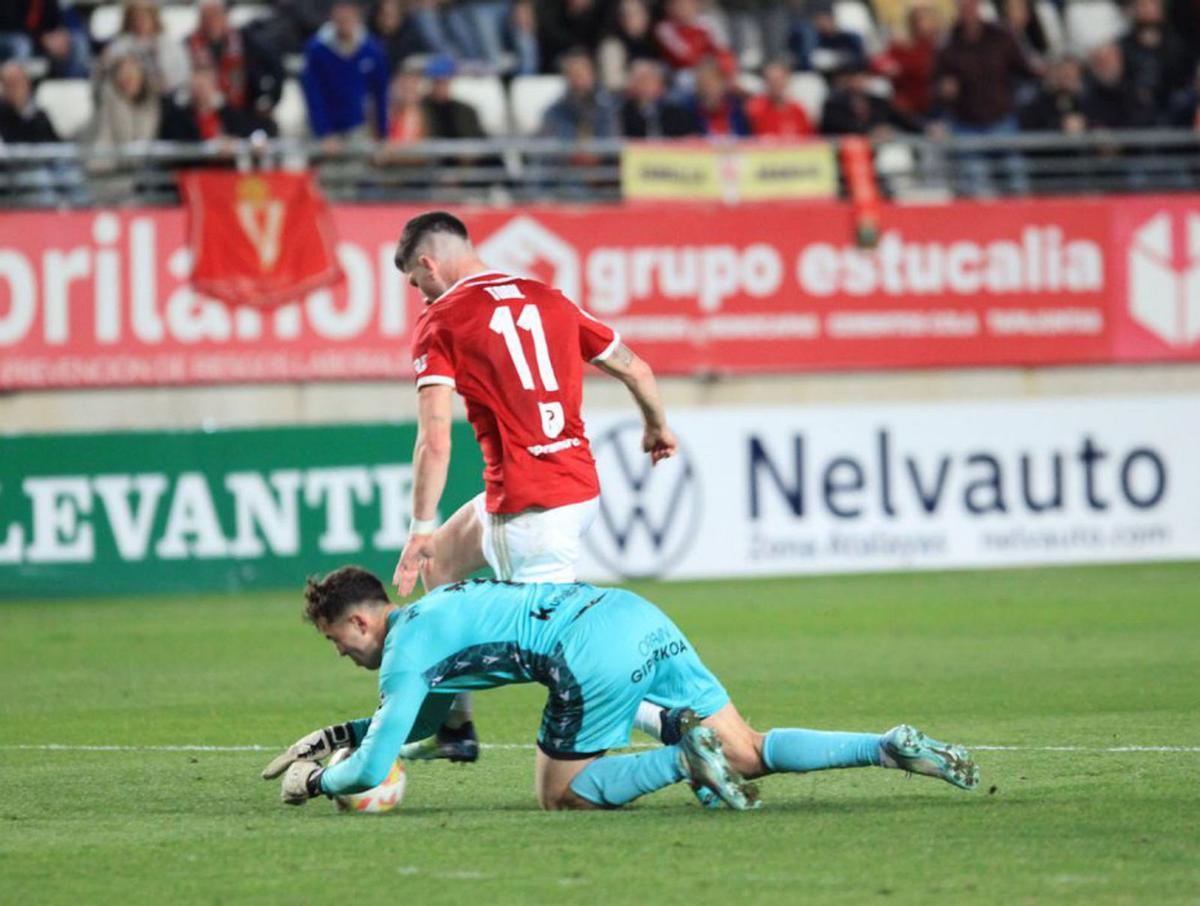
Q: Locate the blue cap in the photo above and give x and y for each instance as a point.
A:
(441, 66)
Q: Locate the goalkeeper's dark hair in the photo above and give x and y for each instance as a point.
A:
(421, 228)
(328, 599)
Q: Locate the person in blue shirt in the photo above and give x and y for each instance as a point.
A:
(599, 652)
(345, 71)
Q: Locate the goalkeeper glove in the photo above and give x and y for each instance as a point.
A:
(316, 745)
(301, 782)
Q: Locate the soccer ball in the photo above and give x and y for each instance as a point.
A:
(382, 798)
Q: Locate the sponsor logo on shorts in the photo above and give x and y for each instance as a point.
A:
(655, 655)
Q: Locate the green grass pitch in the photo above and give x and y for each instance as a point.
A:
(1066, 668)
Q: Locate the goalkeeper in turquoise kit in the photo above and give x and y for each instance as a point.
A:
(599, 652)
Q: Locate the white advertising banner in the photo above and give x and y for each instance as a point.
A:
(771, 491)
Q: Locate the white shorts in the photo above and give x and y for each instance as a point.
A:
(535, 545)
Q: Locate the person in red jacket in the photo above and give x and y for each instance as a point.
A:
(908, 62)
(774, 112)
(684, 39)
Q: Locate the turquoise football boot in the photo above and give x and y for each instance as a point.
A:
(913, 751)
(708, 769)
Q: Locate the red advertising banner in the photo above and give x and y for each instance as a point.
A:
(102, 298)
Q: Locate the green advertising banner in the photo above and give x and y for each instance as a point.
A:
(88, 514)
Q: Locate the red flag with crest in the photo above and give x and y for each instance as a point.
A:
(258, 238)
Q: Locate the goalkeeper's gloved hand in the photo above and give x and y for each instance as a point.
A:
(301, 782)
(316, 745)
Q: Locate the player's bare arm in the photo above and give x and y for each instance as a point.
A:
(632, 371)
(431, 464)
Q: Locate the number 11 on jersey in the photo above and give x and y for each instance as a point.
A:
(530, 320)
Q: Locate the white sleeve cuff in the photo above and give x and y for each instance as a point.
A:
(426, 379)
(610, 349)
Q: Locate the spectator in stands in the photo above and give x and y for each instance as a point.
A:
(758, 29)
(446, 117)
(22, 122)
(31, 28)
(408, 119)
(163, 59)
(976, 78)
(477, 28)
(684, 39)
(908, 61)
(345, 72)
(715, 105)
(295, 21)
(818, 45)
(647, 111)
(1026, 29)
(774, 112)
(1157, 63)
(204, 113)
(1111, 101)
(1059, 105)
(893, 15)
(629, 40)
(522, 39)
(563, 25)
(249, 76)
(1184, 112)
(129, 108)
(585, 111)
(852, 108)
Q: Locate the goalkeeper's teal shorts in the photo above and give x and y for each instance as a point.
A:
(618, 653)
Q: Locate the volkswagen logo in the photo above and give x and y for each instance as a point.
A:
(648, 515)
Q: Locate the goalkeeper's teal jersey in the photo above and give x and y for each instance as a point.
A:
(599, 651)
(476, 634)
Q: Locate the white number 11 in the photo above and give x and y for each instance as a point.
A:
(530, 320)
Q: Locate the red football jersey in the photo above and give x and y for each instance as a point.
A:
(514, 349)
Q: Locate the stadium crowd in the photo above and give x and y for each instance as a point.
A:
(630, 68)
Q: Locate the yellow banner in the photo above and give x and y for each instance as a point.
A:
(661, 172)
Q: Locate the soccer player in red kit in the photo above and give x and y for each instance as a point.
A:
(514, 349)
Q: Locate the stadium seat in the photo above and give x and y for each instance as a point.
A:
(242, 15)
(1052, 26)
(486, 95)
(1091, 23)
(855, 16)
(105, 22)
(68, 103)
(179, 21)
(750, 84)
(530, 96)
(291, 113)
(810, 90)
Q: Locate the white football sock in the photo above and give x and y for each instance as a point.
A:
(460, 711)
(648, 719)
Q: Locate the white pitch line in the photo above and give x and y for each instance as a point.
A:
(520, 746)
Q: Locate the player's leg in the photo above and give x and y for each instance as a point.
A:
(458, 551)
(601, 674)
(681, 680)
(458, 547)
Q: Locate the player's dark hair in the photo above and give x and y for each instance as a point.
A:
(327, 599)
(422, 226)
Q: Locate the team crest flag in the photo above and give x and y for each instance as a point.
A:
(258, 238)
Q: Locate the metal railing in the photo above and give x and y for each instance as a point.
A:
(512, 170)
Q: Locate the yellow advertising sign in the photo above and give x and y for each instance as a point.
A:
(661, 172)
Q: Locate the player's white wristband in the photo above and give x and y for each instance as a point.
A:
(422, 526)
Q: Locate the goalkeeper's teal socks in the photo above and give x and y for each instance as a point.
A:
(818, 750)
(615, 780)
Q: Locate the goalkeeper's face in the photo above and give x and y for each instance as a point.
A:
(358, 635)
